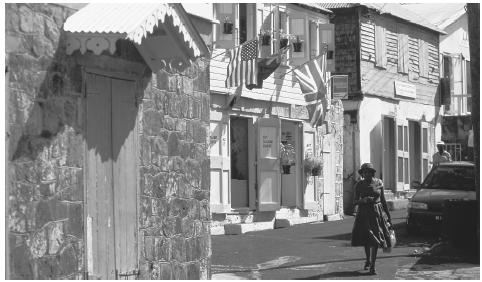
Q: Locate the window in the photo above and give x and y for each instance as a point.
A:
(298, 31)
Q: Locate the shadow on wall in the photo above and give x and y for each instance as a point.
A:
(59, 105)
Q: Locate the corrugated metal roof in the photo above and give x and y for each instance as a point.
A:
(134, 20)
(393, 9)
(316, 6)
(439, 15)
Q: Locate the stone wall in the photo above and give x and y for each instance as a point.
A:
(174, 217)
(45, 151)
(44, 147)
(331, 131)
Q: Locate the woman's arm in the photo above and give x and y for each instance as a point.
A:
(384, 202)
(357, 194)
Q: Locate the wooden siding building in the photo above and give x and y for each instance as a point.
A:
(248, 189)
(391, 57)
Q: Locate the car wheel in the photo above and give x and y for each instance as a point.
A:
(412, 228)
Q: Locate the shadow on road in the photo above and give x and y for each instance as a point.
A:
(335, 274)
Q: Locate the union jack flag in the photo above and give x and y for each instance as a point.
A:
(243, 65)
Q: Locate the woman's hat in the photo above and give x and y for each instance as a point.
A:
(366, 166)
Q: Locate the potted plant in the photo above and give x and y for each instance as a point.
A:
(287, 156)
(284, 39)
(228, 26)
(265, 37)
(313, 165)
(297, 44)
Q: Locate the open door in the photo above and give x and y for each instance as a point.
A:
(220, 163)
(269, 176)
(309, 150)
(425, 148)
(403, 162)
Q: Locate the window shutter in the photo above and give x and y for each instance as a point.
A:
(403, 56)
(422, 58)
(380, 47)
(327, 37)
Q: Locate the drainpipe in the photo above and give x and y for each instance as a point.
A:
(7, 188)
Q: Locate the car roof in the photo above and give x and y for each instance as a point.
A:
(458, 163)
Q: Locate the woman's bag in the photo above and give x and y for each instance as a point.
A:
(393, 240)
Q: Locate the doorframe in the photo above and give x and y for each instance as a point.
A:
(299, 149)
(120, 75)
(394, 159)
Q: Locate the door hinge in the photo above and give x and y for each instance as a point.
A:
(127, 275)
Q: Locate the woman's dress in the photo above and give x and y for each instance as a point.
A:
(371, 226)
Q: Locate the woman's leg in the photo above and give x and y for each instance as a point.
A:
(373, 258)
(367, 255)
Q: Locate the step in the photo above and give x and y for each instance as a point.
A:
(217, 230)
(241, 228)
(397, 204)
(287, 222)
(332, 217)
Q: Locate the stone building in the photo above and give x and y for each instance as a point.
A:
(392, 110)
(108, 128)
(249, 190)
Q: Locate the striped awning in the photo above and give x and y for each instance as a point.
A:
(98, 26)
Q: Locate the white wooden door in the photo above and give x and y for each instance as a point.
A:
(269, 177)
(403, 161)
(309, 150)
(220, 163)
(425, 148)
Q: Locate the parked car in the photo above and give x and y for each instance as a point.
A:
(452, 180)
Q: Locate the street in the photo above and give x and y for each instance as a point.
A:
(322, 250)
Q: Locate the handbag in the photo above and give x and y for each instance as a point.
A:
(393, 240)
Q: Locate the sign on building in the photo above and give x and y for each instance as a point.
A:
(339, 86)
(405, 89)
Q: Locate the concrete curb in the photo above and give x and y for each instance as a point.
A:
(287, 222)
(236, 229)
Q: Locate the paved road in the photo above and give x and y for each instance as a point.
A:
(322, 251)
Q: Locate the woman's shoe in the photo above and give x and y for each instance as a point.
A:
(372, 270)
(367, 265)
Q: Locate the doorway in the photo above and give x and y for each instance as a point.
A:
(291, 178)
(389, 154)
(111, 177)
(415, 142)
(239, 130)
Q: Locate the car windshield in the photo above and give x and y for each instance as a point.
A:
(451, 178)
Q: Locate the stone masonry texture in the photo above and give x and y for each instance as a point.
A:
(45, 166)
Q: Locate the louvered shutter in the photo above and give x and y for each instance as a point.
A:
(380, 47)
(403, 54)
(423, 58)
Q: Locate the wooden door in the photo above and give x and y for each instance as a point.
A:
(425, 149)
(269, 177)
(389, 158)
(309, 150)
(220, 163)
(124, 113)
(111, 177)
(99, 192)
(403, 162)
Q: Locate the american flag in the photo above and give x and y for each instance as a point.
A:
(243, 66)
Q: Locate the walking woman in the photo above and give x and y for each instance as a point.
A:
(372, 221)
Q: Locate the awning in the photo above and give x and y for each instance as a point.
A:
(98, 26)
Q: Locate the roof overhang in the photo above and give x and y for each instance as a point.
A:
(162, 32)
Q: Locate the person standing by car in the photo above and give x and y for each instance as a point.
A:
(371, 227)
(441, 156)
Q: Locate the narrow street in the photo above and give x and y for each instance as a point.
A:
(322, 251)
